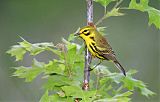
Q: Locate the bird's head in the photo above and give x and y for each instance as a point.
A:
(86, 32)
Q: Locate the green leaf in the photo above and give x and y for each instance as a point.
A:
(29, 73)
(45, 97)
(71, 37)
(125, 94)
(132, 71)
(114, 12)
(56, 98)
(146, 92)
(102, 30)
(122, 99)
(154, 17)
(57, 52)
(60, 80)
(61, 93)
(104, 2)
(139, 6)
(104, 87)
(81, 49)
(54, 67)
(154, 14)
(17, 51)
(56, 81)
(117, 77)
(71, 53)
(132, 83)
(77, 92)
(72, 91)
(37, 48)
(40, 47)
(25, 44)
(102, 69)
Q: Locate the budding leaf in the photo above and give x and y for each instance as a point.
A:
(114, 12)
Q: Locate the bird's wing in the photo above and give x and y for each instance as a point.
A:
(102, 44)
(106, 50)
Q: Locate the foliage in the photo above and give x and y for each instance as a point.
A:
(64, 75)
(154, 14)
(143, 5)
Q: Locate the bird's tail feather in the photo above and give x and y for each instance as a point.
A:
(119, 66)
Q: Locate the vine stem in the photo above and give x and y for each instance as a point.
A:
(88, 56)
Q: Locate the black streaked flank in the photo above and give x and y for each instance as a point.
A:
(93, 44)
(87, 33)
(92, 38)
(92, 48)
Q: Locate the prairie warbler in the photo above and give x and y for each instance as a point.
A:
(99, 46)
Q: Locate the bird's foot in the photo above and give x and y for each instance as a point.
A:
(90, 69)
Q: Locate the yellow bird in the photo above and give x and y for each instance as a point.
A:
(99, 46)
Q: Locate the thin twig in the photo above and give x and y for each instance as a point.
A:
(117, 4)
(105, 12)
(88, 56)
(101, 19)
(97, 80)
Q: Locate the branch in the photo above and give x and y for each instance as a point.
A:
(88, 56)
(104, 16)
(89, 12)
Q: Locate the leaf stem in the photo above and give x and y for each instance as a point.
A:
(117, 4)
(100, 20)
(105, 12)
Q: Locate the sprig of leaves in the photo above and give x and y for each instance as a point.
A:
(153, 13)
(64, 75)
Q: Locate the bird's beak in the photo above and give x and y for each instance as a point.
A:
(76, 34)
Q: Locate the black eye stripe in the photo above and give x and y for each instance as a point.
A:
(92, 48)
(85, 31)
(87, 34)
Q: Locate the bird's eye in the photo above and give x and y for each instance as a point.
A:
(85, 31)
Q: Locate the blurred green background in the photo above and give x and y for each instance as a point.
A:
(136, 43)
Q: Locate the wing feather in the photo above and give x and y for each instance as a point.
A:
(102, 44)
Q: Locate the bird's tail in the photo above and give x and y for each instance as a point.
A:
(119, 66)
